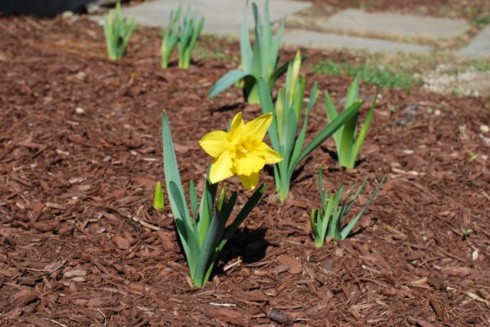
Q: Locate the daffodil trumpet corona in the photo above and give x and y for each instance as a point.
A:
(205, 227)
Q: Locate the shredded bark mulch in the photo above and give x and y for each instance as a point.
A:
(80, 152)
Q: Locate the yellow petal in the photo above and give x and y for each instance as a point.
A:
(237, 126)
(214, 143)
(258, 127)
(249, 181)
(253, 162)
(271, 156)
(221, 168)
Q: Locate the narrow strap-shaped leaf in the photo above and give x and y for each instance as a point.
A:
(347, 229)
(352, 93)
(266, 44)
(256, 68)
(281, 70)
(274, 54)
(185, 229)
(193, 198)
(245, 47)
(364, 130)
(350, 199)
(175, 191)
(348, 136)
(328, 131)
(321, 191)
(228, 208)
(170, 167)
(208, 250)
(332, 113)
(205, 214)
(268, 107)
(252, 201)
(226, 81)
(335, 224)
(298, 147)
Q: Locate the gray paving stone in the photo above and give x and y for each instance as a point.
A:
(479, 47)
(310, 39)
(395, 25)
(223, 17)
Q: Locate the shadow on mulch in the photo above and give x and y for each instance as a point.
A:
(249, 245)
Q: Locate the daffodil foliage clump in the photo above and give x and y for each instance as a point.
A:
(117, 32)
(204, 227)
(287, 134)
(259, 61)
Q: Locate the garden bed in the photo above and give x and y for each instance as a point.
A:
(80, 152)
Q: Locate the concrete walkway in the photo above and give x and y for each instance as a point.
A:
(350, 28)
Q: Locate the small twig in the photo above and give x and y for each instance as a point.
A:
(222, 304)
(103, 315)
(231, 265)
(55, 322)
(144, 223)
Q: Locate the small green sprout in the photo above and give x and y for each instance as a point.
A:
(466, 232)
(328, 220)
(158, 199)
(347, 141)
(183, 34)
(118, 32)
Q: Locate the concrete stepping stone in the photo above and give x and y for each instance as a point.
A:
(395, 25)
(310, 39)
(479, 47)
(223, 17)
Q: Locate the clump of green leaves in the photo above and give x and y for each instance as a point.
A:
(259, 61)
(158, 199)
(380, 76)
(347, 141)
(328, 221)
(204, 228)
(286, 133)
(118, 32)
(182, 33)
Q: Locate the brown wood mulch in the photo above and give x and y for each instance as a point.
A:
(80, 245)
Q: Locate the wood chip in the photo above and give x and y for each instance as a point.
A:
(23, 297)
(121, 242)
(228, 316)
(293, 264)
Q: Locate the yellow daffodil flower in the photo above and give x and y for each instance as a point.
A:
(240, 151)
